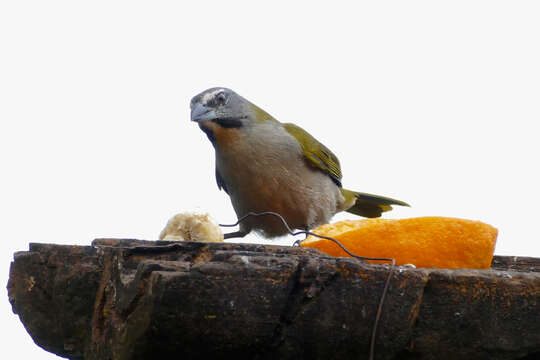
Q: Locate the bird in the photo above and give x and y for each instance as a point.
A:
(268, 166)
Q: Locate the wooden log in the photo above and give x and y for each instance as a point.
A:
(133, 299)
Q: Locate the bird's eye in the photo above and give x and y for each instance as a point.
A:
(221, 98)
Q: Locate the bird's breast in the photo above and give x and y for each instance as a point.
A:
(265, 170)
(257, 158)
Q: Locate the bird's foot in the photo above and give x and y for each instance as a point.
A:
(236, 234)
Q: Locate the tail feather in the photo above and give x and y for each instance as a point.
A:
(368, 205)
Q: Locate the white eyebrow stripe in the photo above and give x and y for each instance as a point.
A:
(210, 95)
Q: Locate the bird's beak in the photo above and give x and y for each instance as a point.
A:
(202, 113)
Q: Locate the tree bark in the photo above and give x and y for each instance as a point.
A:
(132, 299)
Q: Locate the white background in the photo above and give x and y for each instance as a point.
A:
(433, 103)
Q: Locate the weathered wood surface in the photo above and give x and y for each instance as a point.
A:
(131, 299)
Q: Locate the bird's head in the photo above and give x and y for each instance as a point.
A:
(222, 107)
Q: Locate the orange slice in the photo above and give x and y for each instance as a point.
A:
(425, 241)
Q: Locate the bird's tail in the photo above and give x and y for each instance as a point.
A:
(368, 205)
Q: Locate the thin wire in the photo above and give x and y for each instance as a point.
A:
(298, 242)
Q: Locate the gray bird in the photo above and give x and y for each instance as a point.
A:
(265, 165)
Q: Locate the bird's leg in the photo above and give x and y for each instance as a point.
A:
(236, 234)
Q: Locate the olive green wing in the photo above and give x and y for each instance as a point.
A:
(316, 153)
